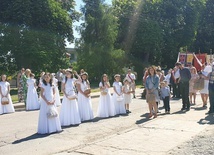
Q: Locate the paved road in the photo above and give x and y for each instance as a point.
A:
(132, 134)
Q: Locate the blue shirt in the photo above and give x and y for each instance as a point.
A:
(165, 92)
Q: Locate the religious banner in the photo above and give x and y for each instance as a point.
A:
(189, 58)
(199, 59)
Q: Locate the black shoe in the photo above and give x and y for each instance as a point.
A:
(209, 112)
(183, 109)
(134, 96)
(187, 109)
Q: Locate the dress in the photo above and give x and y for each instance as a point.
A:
(127, 97)
(85, 107)
(206, 83)
(24, 86)
(106, 106)
(9, 108)
(32, 101)
(45, 124)
(191, 83)
(57, 95)
(69, 114)
(20, 88)
(152, 82)
(119, 105)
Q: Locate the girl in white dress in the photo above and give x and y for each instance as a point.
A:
(57, 95)
(84, 99)
(69, 114)
(32, 101)
(5, 92)
(127, 95)
(118, 97)
(106, 107)
(48, 124)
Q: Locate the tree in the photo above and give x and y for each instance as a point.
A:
(157, 29)
(33, 34)
(205, 34)
(98, 34)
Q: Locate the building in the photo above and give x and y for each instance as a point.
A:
(71, 52)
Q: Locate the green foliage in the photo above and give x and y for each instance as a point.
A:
(96, 52)
(205, 34)
(33, 34)
(154, 31)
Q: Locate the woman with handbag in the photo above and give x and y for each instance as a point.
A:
(106, 107)
(84, 98)
(48, 116)
(69, 114)
(152, 96)
(6, 101)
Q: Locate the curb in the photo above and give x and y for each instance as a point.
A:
(21, 106)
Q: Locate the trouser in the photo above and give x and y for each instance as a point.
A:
(166, 103)
(174, 89)
(185, 94)
(211, 96)
(178, 89)
(59, 85)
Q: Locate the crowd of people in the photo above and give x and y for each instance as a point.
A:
(76, 107)
(76, 103)
(179, 82)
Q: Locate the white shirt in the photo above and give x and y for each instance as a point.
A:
(130, 77)
(167, 78)
(177, 74)
(208, 69)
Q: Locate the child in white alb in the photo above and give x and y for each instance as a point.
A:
(127, 95)
(118, 97)
(5, 94)
(69, 114)
(106, 107)
(32, 101)
(48, 116)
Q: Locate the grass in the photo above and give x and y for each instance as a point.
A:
(94, 88)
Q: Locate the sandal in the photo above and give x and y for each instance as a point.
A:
(150, 115)
(155, 116)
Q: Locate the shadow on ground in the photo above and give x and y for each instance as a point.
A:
(31, 137)
(209, 119)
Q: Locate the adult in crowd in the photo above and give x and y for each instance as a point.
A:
(145, 74)
(25, 77)
(204, 92)
(192, 91)
(131, 79)
(177, 77)
(59, 78)
(152, 84)
(173, 82)
(210, 77)
(160, 74)
(167, 79)
(184, 79)
(20, 85)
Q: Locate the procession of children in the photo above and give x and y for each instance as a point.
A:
(76, 105)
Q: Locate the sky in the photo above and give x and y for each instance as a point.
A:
(79, 3)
